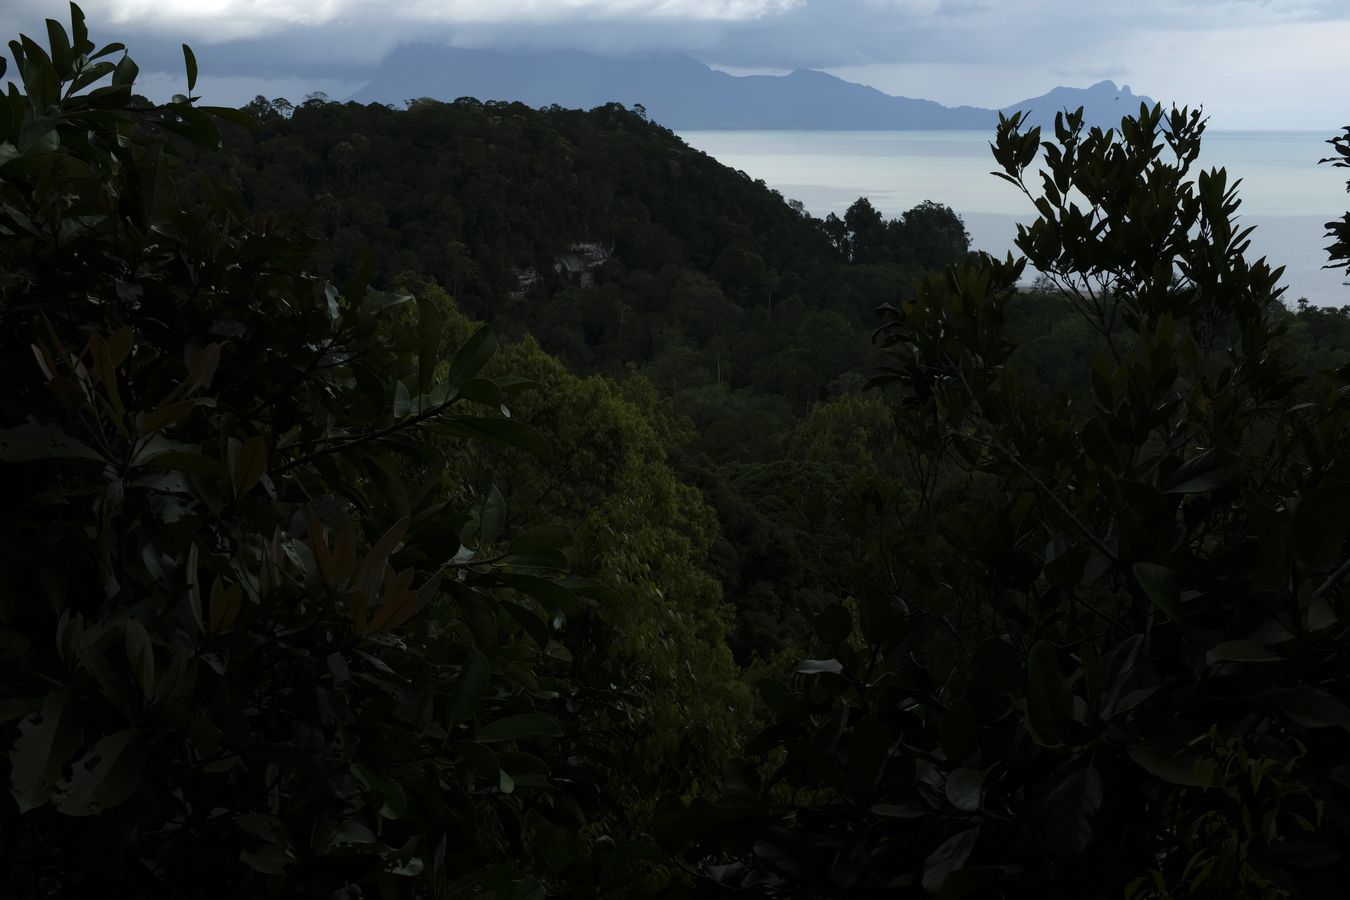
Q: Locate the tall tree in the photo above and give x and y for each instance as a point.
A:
(1153, 703)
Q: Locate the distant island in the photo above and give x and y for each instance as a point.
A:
(684, 94)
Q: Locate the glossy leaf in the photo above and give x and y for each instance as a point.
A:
(519, 727)
(1070, 813)
(1308, 706)
(33, 442)
(190, 63)
(1179, 767)
(472, 357)
(965, 789)
(1209, 471)
(45, 741)
(1240, 651)
(947, 858)
(108, 775)
(141, 656)
(250, 465)
(469, 688)
(1160, 585)
(1049, 701)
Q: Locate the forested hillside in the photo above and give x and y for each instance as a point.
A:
(624, 252)
(472, 501)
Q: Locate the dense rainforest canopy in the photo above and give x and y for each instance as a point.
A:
(478, 501)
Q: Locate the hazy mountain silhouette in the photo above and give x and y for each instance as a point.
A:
(683, 93)
(1103, 104)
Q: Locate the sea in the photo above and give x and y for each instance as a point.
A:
(1285, 193)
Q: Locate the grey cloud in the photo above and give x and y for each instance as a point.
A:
(1051, 39)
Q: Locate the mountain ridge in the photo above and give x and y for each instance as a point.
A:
(683, 93)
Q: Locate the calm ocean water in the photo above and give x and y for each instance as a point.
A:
(1284, 192)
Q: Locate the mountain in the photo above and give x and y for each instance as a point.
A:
(1103, 104)
(682, 93)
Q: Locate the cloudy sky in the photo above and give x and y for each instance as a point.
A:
(1276, 64)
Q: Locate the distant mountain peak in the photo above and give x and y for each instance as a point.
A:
(681, 92)
(1104, 104)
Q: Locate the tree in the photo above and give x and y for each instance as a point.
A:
(257, 640)
(851, 430)
(1155, 703)
(866, 231)
(931, 236)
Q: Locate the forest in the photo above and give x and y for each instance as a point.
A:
(469, 500)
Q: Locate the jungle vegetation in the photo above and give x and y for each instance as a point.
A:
(470, 500)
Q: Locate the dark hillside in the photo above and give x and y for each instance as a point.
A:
(600, 232)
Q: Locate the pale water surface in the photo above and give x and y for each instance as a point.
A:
(1285, 193)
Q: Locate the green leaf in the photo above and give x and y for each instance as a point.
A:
(1305, 851)
(480, 390)
(393, 800)
(267, 828)
(778, 849)
(900, 811)
(14, 708)
(818, 666)
(964, 882)
(32, 442)
(947, 858)
(233, 116)
(514, 728)
(965, 789)
(551, 595)
(1308, 707)
(525, 768)
(378, 301)
(502, 431)
(1210, 471)
(1069, 811)
(1182, 767)
(47, 738)
(106, 776)
(539, 559)
(250, 465)
(541, 538)
(38, 136)
(493, 516)
(471, 358)
(78, 29)
(402, 401)
(108, 50)
(187, 461)
(1240, 651)
(351, 833)
(190, 61)
(59, 42)
(125, 73)
(1160, 585)
(109, 97)
(192, 124)
(271, 859)
(469, 687)
(480, 614)
(482, 759)
(1049, 701)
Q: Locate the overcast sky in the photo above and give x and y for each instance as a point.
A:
(1253, 63)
